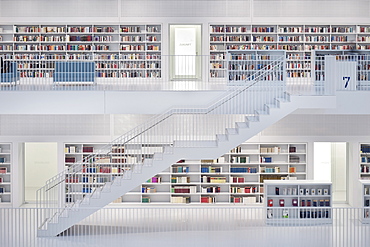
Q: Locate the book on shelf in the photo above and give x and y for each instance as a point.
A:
(242, 170)
(180, 169)
(72, 180)
(293, 159)
(218, 180)
(285, 213)
(3, 169)
(292, 169)
(180, 180)
(104, 169)
(87, 149)
(249, 199)
(118, 200)
(184, 189)
(180, 199)
(2, 159)
(366, 191)
(1, 180)
(211, 169)
(148, 190)
(211, 189)
(269, 214)
(70, 159)
(70, 149)
(86, 190)
(145, 199)
(118, 149)
(240, 159)
(154, 180)
(102, 160)
(248, 189)
(207, 199)
(266, 159)
(236, 150)
(275, 150)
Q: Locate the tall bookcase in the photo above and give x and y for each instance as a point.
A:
(100, 163)
(242, 65)
(5, 174)
(120, 51)
(297, 40)
(364, 168)
(235, 178)
(365, 189)
(298, 202)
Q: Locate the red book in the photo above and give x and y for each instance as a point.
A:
(270, 203)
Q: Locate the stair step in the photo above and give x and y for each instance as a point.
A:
(242, 125)
(253, 118)
(86, 200)
(232, 131)
(262, 112)
(194, 144)
(106, 187)
(222, 137)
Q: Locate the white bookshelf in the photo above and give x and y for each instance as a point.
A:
(6, 168)
(297, 40)
(298, 202)
(120, 51)
(243, 65)
(364, 167)
(235, 178)
(99, 163)
(365, 202)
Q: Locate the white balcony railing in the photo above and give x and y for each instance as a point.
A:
(162, 72)
(188, 226)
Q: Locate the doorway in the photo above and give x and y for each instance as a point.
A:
(331, 164)
(185, 48)
(40, 161)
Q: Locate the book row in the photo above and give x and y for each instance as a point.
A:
(303, 203)
(303, 214)
(85, 29)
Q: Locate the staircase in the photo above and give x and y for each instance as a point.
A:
(180, 133)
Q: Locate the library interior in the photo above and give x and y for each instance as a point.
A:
(122, 123)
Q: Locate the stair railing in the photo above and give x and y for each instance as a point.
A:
(177, 127)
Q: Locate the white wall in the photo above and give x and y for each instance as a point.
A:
(167, 11)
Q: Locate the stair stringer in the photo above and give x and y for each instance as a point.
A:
(239, 135)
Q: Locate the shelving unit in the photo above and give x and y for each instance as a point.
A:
(297, 40)
(364, 161)
(120, 51)
(365, 189)
(106, 163)
(235, 178)
(242, 65)
(5, 174)
(298, 202)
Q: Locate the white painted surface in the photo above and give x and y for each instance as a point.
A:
(40, 165)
